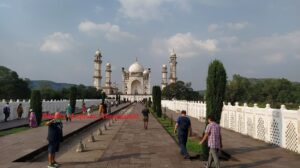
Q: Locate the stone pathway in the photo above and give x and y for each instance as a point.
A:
(17, 145)
(127, 145)
(13, 123)
(248, 152)
(135, 147)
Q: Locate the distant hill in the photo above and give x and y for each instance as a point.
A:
(38, 84)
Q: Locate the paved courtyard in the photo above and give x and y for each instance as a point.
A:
(248, 152)
(17, 145)
(126, 144)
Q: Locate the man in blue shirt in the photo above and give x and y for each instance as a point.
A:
(55, 136)
(184, 127)
(6, 111)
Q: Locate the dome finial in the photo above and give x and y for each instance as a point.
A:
(136, 59)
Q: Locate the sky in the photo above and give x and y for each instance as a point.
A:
(56, 40)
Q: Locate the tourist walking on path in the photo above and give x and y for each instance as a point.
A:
(6, 111)
(20, 111)
(184, 127)
(213, 134)
(108, 107)
(83, 108)
(104, 108)
(145, 113)
(68, 113)
(101, 110)
(55, 136)
(32, 119)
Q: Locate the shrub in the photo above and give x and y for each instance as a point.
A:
(36, 105)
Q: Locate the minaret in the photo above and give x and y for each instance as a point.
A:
(108, 75)
(173, 64)
(164, 72)
(97, 70)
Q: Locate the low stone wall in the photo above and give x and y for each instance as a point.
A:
(48, 106)
(276, 126)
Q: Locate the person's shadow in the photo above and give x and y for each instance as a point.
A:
(195, 157)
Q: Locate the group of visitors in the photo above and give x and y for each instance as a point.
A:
(31, 115)
(6, 111)
(183, 128)
(104, 109)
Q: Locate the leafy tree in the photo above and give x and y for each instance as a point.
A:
(180, 91)
(36, 105)
(237, 89)
(156, 97)
(11, 86)
(215, 92)
(73, 96)
(262, 91)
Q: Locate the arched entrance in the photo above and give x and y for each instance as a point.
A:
(136, 87)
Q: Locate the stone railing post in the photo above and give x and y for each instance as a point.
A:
(298, 119)
(255, 107)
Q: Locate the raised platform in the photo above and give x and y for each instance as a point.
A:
(17, 146)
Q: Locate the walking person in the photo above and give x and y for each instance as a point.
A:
(108, 107)
(145, 113)
(32, 119)
(83, 108)
(101, 110)
(213, 134)
(20, 111)
(55, 136)
(184, 127)
(6, 111)
(68, 113)
(105, 108)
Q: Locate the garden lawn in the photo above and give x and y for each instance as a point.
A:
(192, 144)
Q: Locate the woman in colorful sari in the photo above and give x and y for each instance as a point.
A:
(32, 119)
(83, 108)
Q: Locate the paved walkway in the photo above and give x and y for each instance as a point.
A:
(17, 145)
(135, 147)
(125, 145)
(248, 152)
(13, 123)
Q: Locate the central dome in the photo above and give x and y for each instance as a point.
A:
(136, 68)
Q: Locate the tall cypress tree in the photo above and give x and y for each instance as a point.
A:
(158, 102)
(215, 92)
(156, 97)
(73, 96)
(154, 90)
(36, 105)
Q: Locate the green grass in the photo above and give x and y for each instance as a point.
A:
(192, 144)
(17, 130)
(13, 131)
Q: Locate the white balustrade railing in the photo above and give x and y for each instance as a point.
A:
(48, 106)
(276, 126)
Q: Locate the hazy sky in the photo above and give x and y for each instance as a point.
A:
(56, 39)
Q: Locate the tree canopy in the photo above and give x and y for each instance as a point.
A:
(272, 91)
(11, 86)
(181, 91)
